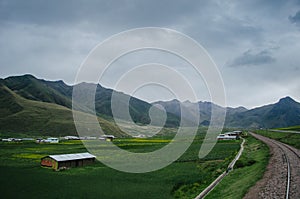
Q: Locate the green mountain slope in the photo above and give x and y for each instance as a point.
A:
(57, 92)
(58, 96)
(8, 103)
(41, 118)
(284, 113)
(31, 88)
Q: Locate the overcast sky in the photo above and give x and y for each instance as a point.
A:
(255, 44)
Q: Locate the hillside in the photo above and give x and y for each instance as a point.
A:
(284, 113)
(57, 92)
(31, 88)
(40, 118)
(8, 103)
(29, 104)
(205, 109)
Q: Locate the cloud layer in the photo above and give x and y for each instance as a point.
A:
(254, 43)
(249, 58)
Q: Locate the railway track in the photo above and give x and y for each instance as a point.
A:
(282, 178)
(295, 151)
(288, 180)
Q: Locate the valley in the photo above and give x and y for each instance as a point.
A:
(35, 108)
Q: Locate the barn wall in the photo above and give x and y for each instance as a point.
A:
(75, 163)
(47, 162)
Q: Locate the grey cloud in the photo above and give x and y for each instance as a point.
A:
(295, 19)
(51, 38)
(99, 14)
(249, 58)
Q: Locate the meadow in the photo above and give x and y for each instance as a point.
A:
(291, 128)
(292, 139)
(247, 171)
(21, 175)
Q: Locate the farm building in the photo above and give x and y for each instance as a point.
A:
(238, 132)
(52, 140)
(108, 137)
(48, 140)
(71, 137)
(229, 136)
(67, 160)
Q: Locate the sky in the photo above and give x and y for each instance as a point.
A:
(255, 44)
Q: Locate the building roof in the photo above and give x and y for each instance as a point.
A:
(108, 136)
(74, 156)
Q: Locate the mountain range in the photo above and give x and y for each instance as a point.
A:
(284, 113)
(35, 106)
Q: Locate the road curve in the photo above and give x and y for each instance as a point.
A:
(282, 177)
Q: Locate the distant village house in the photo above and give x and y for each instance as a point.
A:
(230, 135)
(48, 140)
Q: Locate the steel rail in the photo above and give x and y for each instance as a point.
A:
(279, 144)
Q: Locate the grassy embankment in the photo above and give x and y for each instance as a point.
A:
(291, 128)
(248, 170)
(23, 117)
(292, 139)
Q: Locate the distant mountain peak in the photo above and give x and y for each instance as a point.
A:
(287, 101)
(175, 100)
(187, 102)
(30, 76)
(59, 82)
(286, 112)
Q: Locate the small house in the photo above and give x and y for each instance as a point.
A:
(239, 133)
(63, 161)
(139, 136)
(52, 140)
(107, 137)
(48, 140)
(71, 138)
(12, 140)
(235, 135)
(227, 136)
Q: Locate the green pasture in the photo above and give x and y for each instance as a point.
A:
(22, 177)
(291, 128)
(247, 171)
(292, 139)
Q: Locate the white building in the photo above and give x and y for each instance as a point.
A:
(228, 136)
(51, 140)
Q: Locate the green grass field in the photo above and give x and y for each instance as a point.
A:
(248, 169)
(291, 128)
(22, 177)
(292, 139)
(35, 118)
